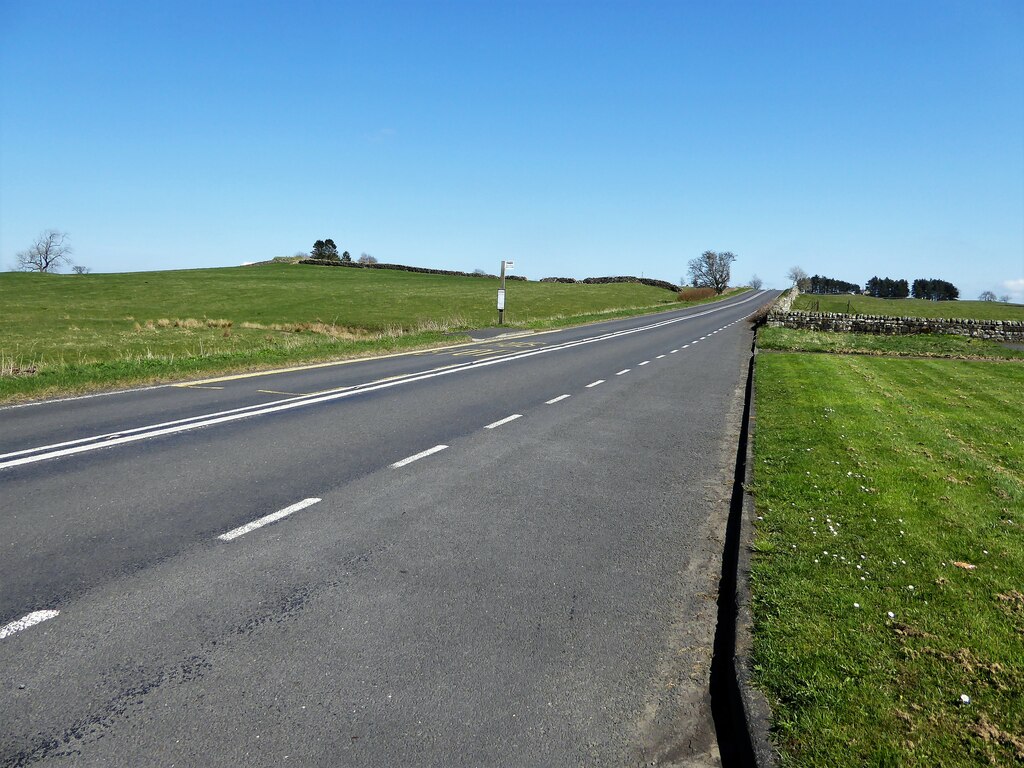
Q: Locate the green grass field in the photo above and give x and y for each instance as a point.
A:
(65, 333)
(889, 559)
(916, 345)
(867, 305)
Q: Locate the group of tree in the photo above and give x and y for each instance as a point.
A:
(711, 270)
(887, 288)
(830, 285)
(934, 290)
(990, 296)
(326, 250)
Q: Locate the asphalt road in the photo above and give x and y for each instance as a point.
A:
(504, 553)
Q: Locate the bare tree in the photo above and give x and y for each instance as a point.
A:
(78, 269)
(797, 276)
(48, 253)
(366, 258)
(711, 270)
(1005, 298)
(756, 283)
(987, 296)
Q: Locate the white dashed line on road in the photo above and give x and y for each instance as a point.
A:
(624, 370)
(685, 346)
(659, 357)
(25, 622)
(506, 420)
(266, 520)
(645, 362)
(595, 383)
(554, 400)
(418, 456)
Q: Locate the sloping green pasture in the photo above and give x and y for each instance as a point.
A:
(868, 305)
(63, 333)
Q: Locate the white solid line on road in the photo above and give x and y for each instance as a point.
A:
(624, 370)
(266, 520)
(25, 622)
(645, 362)
(418, 456)
(506, 420)
(595, 383)
(554, 400)
(659, 357)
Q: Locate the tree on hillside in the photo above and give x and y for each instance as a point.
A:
(934, 290)
(78, 269)
(797, 276)
(756, 283)
(987, 296)
(1005, 298)
(346, 256)
(48, 253)
(712, 270)
(366, 258)
(325, 250)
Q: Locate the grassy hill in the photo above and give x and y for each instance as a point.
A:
(71, 332)
(868, 305)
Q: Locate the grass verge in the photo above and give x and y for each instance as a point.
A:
(868, 305)
(889, 559)
(917, 345)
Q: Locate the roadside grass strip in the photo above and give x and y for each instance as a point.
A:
(26, 621)
(267, 519)
(888, 564)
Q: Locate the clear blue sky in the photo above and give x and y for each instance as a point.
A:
(582, 138)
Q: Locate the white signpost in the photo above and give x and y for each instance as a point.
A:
(505, 266)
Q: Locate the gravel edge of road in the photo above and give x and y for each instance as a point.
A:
(754, 706)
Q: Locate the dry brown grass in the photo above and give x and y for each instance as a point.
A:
(695, 294)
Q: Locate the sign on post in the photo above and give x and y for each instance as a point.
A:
(501, 299)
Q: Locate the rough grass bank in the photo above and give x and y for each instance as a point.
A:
(68, 333)
(889, 559)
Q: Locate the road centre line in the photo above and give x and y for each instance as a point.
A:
(418, 456)
(121, 437)
(673, 351)
(554, 400)
(595, 383)
(267, 519)
(26, 621)
(684, 346)
(659, 357)
(645, 362)
(624, 370)
(506, 420)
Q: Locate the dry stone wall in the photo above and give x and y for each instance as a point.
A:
(782, 316)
